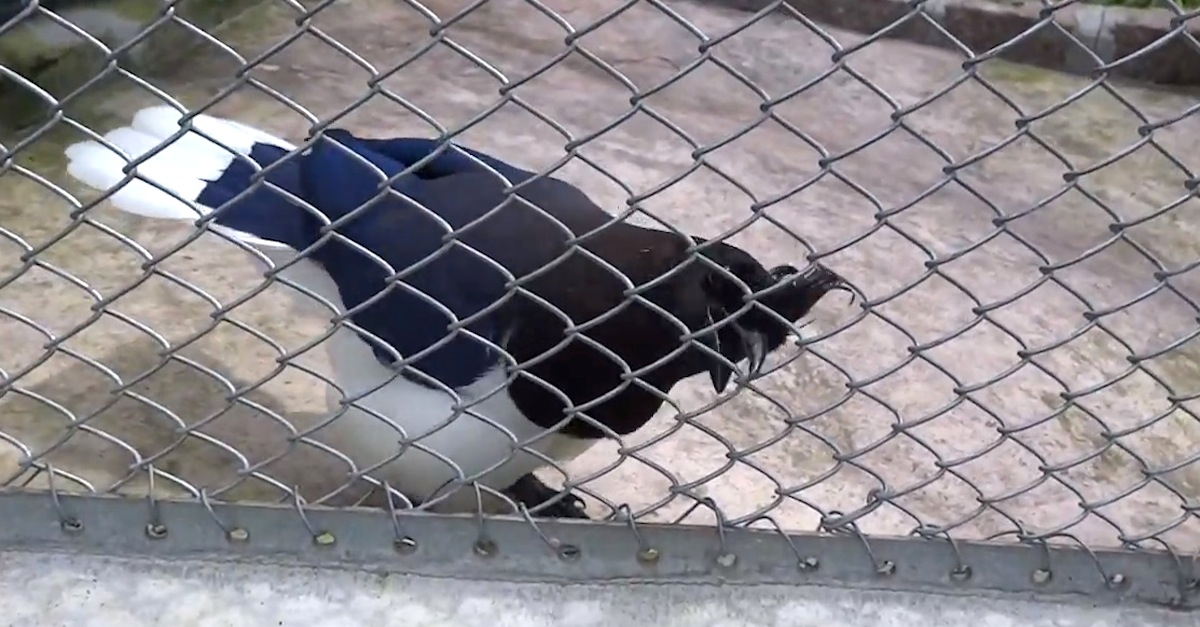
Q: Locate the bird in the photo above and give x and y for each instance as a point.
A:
(490, 321)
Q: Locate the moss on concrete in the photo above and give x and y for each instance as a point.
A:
(38, 147)
(60, 62)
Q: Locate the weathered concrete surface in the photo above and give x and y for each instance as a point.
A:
(85, 591)
(1147, 44)
(760, 453)
(36, 47)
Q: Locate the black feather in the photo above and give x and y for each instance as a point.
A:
(575, 368)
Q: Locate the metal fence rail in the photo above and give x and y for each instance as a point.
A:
(1010, 405)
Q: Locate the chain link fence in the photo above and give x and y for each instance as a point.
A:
(1020, 366)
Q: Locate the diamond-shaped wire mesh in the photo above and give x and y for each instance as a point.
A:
(1022, 365)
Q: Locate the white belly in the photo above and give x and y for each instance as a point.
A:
(446, 448)
(447, 451)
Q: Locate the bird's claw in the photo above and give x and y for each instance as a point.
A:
(570, 506)
(531, 492)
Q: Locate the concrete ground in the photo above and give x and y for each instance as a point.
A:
(922, 425)
(75, 590)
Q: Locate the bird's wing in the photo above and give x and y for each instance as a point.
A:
(215, 170)
(450, 159)
(467, 228)
(188, 175)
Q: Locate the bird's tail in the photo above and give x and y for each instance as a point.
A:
(188, 178)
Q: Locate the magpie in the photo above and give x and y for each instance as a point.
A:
(488, 321)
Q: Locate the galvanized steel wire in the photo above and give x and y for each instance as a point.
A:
(147, 465)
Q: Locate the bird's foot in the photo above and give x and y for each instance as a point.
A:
(531, 492)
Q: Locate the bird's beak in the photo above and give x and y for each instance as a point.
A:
(720, 374)
(754, 347)
(755, 344)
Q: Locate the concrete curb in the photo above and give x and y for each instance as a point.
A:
(1130, 38)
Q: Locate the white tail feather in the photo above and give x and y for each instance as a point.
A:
(169, 182)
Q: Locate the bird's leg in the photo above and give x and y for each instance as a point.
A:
(531, 492)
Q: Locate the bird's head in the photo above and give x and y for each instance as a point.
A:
(747, 325)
